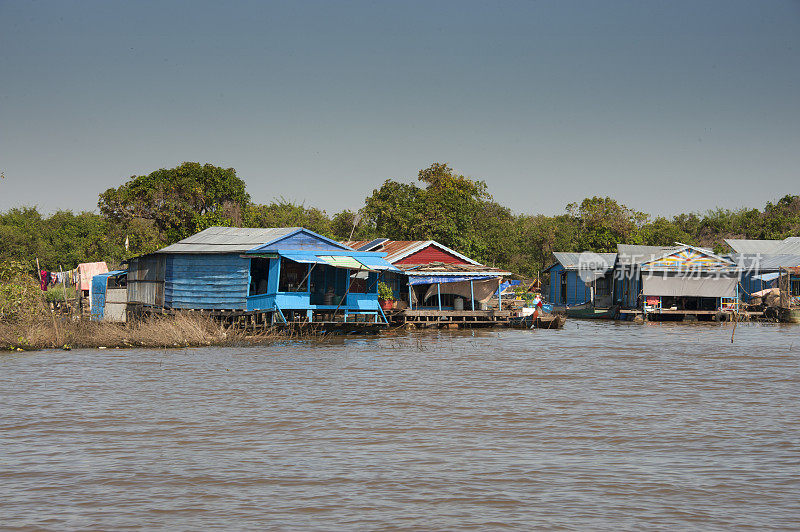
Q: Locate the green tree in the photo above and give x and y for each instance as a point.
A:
(605, 223)
(446, 210)
(284, 213)
(178, 201)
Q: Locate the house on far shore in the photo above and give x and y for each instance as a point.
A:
(671, 280)
(580, 278)
(761, 261)
(675, 281)
(433, 276)
(287, 274)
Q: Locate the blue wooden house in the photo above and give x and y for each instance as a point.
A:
(291, 273)
(581, 278)
(761, 261)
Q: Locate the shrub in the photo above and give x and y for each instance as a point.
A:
(385, 292)
(20, 295)
(58, 292)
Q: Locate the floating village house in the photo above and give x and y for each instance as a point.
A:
(581, 278)
(432, 276)
(285, 274)
(762, 261)
(676, 280)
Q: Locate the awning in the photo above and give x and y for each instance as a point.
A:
(342, 261)
(377, 263)
(304, 258)
(690, 286)
(587, 276)
(766, 276)
(437, 279)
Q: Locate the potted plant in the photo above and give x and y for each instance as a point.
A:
(385, 296)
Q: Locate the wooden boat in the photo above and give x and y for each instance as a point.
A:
(791, 315)
(534, 321)
(593, 313)
(552, 321)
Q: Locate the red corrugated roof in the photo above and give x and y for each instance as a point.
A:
(392, 248)
(398, 248)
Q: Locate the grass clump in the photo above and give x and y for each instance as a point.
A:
(180, 330)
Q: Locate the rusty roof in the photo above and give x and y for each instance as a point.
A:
(392, 248)
(397, 249)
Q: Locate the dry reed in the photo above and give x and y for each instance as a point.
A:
(179, 330)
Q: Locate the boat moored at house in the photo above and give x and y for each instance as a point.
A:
(583, 280)
(435, 284)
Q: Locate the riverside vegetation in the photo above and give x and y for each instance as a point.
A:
(27, 322)
(150, 211)
(157, 209)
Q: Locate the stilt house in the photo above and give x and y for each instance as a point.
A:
(581, 278)
(680, 279)
(433, 276)
(291, 273)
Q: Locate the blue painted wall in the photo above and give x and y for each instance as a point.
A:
(194, 281)
(751, 285)
(577, 291)
(626, 289)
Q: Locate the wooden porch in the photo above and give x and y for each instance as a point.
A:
(447, 318)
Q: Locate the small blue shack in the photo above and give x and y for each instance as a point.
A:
(290, 273)
(580, 278)
(109, 296)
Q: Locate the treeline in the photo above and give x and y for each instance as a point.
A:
(151, 211)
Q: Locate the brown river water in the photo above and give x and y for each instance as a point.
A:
(598, 426)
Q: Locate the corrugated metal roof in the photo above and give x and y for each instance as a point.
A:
(753, 246)
(397, 249)
(628, 254)
(438, 268)
(392, 248)
(228, 239)
(765, 262)
(791, 246)
(586, 260)
(787, 246)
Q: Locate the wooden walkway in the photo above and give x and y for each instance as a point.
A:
(451, 318)
(726, 315)
(268, 319)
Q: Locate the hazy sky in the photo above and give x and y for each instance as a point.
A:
(667, 106)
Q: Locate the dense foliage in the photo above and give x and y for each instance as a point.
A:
(169, 204)
(20, 296)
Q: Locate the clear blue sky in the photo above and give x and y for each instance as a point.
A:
(666, 106)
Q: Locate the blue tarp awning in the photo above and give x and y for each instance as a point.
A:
(371, 263)
(434, 279)
(377, 263)
(506, 284)
(304, 258)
